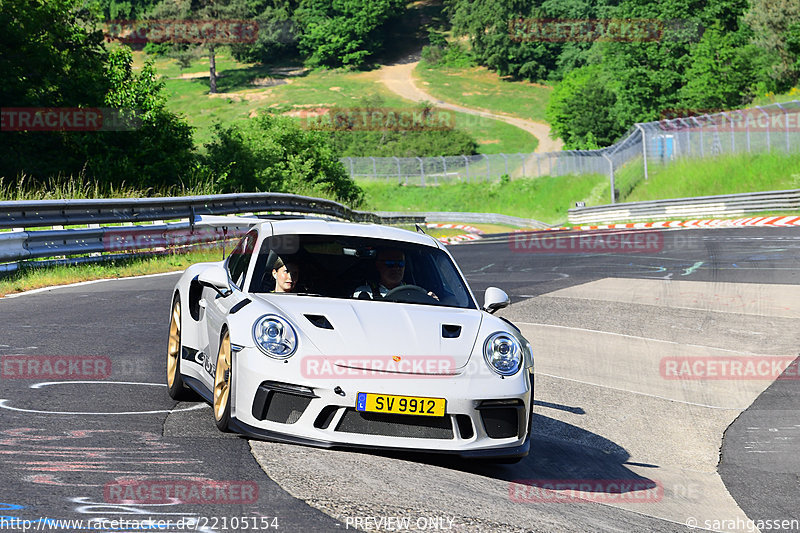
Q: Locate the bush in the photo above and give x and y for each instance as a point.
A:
(272, 153)
(345, 32)
(448, 55)
(402, 144)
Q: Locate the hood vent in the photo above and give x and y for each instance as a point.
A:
(320, 321)
(451, 331)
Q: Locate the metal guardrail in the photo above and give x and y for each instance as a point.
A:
(472, 218)
(22, 243)
(24, 214)
(729, 205)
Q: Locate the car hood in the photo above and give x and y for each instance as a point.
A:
(361, 332)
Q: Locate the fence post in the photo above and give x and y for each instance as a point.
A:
(702, 149)
(733, 139)
(522, 158)
(747, 130)
(786, 120)
(350, 160)
(610, 176)
(399, 177)
(505, 158)
(488, 166)
(421, 171)
(644, 148)
(769, 144)
(444, 166)
(374, 168)
(538, 166)
(466, 163)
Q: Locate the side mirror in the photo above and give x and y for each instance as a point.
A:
(495, 299)
(215, 278)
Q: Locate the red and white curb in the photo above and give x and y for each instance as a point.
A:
(773, 221)
(472, 233)
(780, 221)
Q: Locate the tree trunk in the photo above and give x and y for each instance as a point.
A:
(212, 69)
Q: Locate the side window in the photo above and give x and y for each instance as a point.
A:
(239, 259)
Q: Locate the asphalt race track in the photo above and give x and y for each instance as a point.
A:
(646, 445)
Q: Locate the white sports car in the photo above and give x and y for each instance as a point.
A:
(377, 342)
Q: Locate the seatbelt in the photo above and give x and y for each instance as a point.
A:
(376, 292)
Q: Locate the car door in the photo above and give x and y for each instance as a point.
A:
(218, 307)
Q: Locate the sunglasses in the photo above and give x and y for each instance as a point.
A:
(393, 263)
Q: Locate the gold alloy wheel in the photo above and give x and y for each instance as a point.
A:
(222, 377)
(174, 347)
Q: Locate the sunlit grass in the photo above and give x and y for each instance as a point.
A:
(480, 88)
(245, 90)
(31, 278)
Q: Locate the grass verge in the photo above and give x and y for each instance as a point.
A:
(31, 278)
(720, 175)
(546, 199)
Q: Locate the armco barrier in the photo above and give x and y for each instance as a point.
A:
(472, 218)
(25, 214)
(729, 205)
(24, 243)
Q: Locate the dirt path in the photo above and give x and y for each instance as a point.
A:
(399, 79)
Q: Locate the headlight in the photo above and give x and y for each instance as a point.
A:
(275, 336)
(503, 353)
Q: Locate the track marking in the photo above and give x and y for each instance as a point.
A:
(4, 405)
(4, 402)
(643, 393)
(691, 269)
(642, 338)
(95, 382)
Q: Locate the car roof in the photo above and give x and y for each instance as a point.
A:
(324, 227)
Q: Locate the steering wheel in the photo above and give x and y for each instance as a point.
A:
(409, 293)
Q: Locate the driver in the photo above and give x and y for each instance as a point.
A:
(391, 266)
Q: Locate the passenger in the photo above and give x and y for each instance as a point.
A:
(287, 275)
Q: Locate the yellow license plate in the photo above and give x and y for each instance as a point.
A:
(400, 405)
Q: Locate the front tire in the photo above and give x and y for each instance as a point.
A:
(175, 385)
(222, 381)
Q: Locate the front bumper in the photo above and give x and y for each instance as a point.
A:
(486, 415)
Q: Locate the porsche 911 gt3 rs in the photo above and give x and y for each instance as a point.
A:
(350, 358)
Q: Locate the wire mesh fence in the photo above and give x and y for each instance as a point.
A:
(772, 128)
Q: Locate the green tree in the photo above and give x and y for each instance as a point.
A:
(503, 40)
(202, 11)
(160, 150)
(343, 32)
(721, 72)
(582, 110)
(52, 57)
(272, 153)
(776, 29)
(49, 57)
(277, 32)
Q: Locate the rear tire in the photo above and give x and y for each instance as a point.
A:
(175, 385)
(222, 380)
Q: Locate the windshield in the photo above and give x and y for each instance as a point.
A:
(359, 268)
